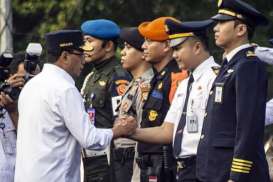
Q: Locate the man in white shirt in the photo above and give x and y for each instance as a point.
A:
(53, 124)
(184, 120)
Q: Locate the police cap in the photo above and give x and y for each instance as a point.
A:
(179, 31)
(237, 9)
(61, 40)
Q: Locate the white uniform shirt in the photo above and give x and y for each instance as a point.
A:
(265, 54)
(269, 113)
(52, 127)
(203, 78)
(7, 149)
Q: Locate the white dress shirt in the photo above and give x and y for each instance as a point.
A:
(7, 148)
(269, 113)
(232, 53)
(52, 127)
(203, 78)
(265, 54)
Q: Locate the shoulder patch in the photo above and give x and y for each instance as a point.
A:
(121, 86)
(250, 54)
(215, 69)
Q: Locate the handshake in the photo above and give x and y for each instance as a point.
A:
(124, 126)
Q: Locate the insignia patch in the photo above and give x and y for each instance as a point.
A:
(118, 82)
(219, 3)
(250, 54)
(102, 83)
(160, 85)
(153, 115)
(230, 71)
(87, 46)
(121, 86)
(215, 69)
(157, 94)
(145, 89)
(163, 73)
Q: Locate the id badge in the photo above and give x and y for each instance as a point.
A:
(192, 124)
(91, 112)
(219, 88)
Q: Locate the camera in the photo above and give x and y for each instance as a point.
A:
(32, 59)
(5, 60)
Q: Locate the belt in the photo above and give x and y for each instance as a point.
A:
(181, 163)
(95, 153)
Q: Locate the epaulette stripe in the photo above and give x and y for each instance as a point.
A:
(239, 171)
(243, 161)
(241, 167)
(241, 164)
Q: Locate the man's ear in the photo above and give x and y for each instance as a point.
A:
(64, 57)
(167, 46)
(241, 30)
(197, 47)
(109, 46)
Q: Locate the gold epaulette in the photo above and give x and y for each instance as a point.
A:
(250, 54)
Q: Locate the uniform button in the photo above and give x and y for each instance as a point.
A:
(205, 115)
(211, 92)
(202, 136)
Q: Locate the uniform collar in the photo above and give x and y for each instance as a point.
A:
(148, 74)
(52, 68)
(101, 64)
(230, 55)
(197, 73)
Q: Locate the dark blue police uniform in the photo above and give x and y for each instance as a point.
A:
(231, 145)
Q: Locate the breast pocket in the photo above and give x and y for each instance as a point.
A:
(199, 99)
(100, 94)
(8, 141)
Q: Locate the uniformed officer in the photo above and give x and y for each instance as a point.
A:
(231, 145)
(102, 88)
(183, 123)
(132, 102)
(156, 161)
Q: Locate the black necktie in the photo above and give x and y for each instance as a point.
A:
(182, 122)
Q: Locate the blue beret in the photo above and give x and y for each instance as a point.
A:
(63, 40)
(101, 29)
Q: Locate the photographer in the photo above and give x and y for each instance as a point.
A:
(9, 118)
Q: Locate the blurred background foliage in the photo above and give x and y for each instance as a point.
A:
(33, 18)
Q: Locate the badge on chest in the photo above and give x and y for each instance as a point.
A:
(219, 89)
(192, 123)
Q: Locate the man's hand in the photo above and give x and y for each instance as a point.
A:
(16, 80)
(124, 126)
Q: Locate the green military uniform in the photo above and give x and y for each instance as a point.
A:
(102, 91)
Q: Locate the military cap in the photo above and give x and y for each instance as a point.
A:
(237, 9)
(179, 31)
(155, 30)
(132, 36)
(101, 29)
(271, 41)
(63, 40)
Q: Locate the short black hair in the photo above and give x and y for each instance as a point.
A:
(115, 42)
(203, 38)
(250, 28)
(18, 58)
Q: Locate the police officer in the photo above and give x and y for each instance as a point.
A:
(102, 88)
(132, 102)
(184, 120)
(231, 145)
(155, 167)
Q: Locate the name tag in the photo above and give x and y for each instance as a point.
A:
(219, 88)
(192, 123)
(92, 113)
(115, 103)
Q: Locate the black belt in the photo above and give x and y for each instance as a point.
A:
(181, 163)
